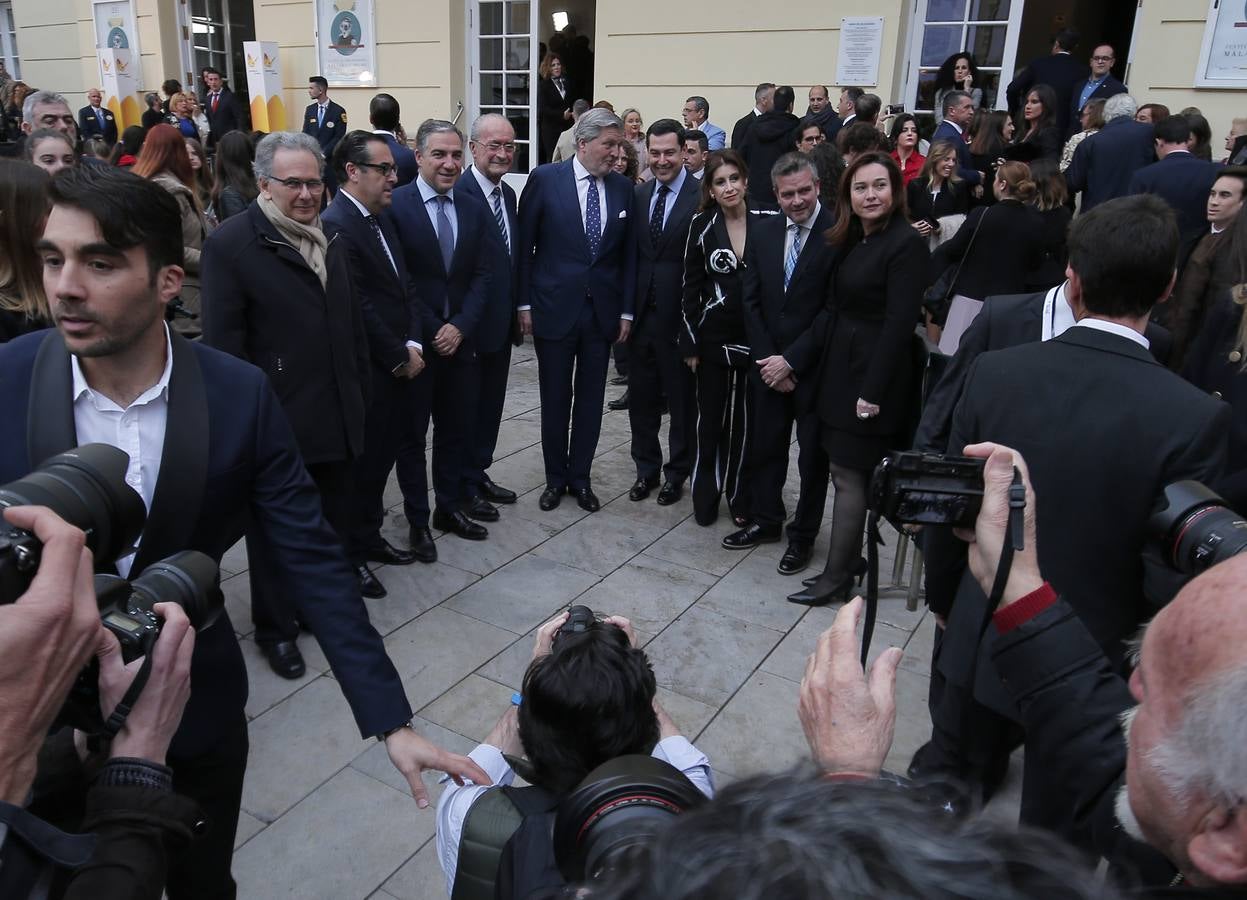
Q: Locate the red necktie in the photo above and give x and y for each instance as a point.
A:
(215, 99)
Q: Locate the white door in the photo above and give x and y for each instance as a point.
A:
(502, 70)
(986, 29)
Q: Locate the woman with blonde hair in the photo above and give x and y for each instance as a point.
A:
(182, 115)
(938, 199)
(23, 213)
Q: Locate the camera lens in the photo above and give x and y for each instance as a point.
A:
(87, 488)
(189, 579)
(1196, 529)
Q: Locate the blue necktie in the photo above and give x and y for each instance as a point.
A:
(593, 218)
(793, 254)
(99, 117)
(320, 116)
(445, 239)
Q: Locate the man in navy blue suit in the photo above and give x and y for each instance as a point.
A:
(445, 241)
(1105, 162)
(1100, 85)
(667, 203)
(577, 276)
(383, 113)
(1180, 178)
(392, 323)
(326, 121)
(492, 145)
(958, 114)
(212, 454)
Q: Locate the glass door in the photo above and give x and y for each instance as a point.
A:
(210, 39)
(986, 29)
(8, 42)
(502, 69)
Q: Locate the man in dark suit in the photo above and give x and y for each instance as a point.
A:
(391, 316)
(492, 145)
(1105, 162)
(213, 455)
(1180, 178)
(821, 113)
(769, 139)
(787, 265)
(383, 113)
(220, 107)
(667, 204)
(958, 114)
(446, 243)
(1103, 430)
(326, 121)
(1059, 70)
(1099, 85)
(763, 99)
(95, 121)
(576, 294)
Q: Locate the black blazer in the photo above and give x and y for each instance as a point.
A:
(769, 138)
(1001, 258)
(1105, 162)
(227, 117)
(1110, 88)
(1103, 428)
(1210, 368)
(1060, 72)
(662, 264)
(1183, 181)
(953, 198)
(262, 303)
(329, 133)
(89, 125)
(388, 304)
(464, 290)
(1005, 321)
(230, 463)
(550, 109)
(404, 158)
(498, 324)
(1047, 143)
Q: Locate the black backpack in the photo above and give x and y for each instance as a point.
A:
(506, 851)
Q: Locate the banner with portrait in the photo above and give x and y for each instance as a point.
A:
(1223, 55)
(346, 42)
(114, 26)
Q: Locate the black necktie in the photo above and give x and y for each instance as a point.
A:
(385, 248)
(659, 213)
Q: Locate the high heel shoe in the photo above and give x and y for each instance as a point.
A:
(859, 572)
(818, 594)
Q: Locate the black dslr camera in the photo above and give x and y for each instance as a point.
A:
(1195, 529)
(913, 488)
(87, 488)
(579, 618)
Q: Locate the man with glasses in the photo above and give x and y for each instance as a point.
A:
(1100, 86)
(279, 295)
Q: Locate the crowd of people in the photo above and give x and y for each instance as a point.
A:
(282, 317)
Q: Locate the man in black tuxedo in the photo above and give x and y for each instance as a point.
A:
(212, 454)
(384, 115)
(492, 145)
(95, 121)
(326, 121)
(1105, 162)
(1180, 178)
(391, 316)
(787, 266)
(1099, 85)
(1104, 428)
(1059, 70)
(665, 205)
(446, 242)
(763, 99)
(220, 107)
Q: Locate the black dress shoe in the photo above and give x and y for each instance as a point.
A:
(550, 498)
(422, 546)
(458, 523)
(642, 489)
(795, 558)
(482, 510)
(370, 585)
(619, 403)
(586, 499)
(285, 659)
(619, 380)
(496, 493)
(390, 555)
(670, 493)
(750, 536)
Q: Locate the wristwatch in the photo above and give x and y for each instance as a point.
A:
(410, 723)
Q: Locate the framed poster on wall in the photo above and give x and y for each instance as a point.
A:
(346, 42)
(1223, 56)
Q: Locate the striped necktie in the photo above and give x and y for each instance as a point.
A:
(794, 252)
(495, 198)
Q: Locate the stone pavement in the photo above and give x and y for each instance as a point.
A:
(325, 815)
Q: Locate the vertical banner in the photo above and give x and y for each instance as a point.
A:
(120, 84)
(346, 42)
(268, 110)
(114, 26)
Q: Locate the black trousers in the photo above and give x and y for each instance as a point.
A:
(495, 368)
(391, 417)
(773, 417)
(720, 462)
(271, 610)
(657, 371)
(620, 352)
(410, 463)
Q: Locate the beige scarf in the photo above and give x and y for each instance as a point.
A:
(309, 239)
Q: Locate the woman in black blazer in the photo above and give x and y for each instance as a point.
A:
(867, 380)
(554, 103)
(1041, 138)
(1216, 363)
(1054, 216)
(1005, 253)
(713, 342)
(937, 191)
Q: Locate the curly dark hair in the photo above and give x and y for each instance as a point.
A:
(944, 77)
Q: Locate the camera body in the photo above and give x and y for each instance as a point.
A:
(579, 618)
(913, 488)
(893, 109)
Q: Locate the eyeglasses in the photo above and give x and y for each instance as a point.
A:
(496, 146)
(384, 168)
(314, 186)
(1101, 59)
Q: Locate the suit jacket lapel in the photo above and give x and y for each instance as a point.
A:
(817, 229)
(50, 414)
(423, 223)
(683, 200)
(571, 198)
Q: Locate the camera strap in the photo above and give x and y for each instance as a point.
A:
(873, 540)
(117, 719)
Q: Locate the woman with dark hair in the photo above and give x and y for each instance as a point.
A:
(626, 162)
(1051, 200)
(12, 96)
(1201, 131)
(555, 95)
(1092, 120)
(23, 213)
(166, 161)
(830, 165)
(203, 173)
(904, 136)
(235, 185)
(990, 133)
(937, 192)
(867, 382)
(126, 151)
(713, 342)
(1152, 113)
(957, 73)
(1041, 138)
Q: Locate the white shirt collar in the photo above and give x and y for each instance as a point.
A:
(578, 167)
(487, 186)
(1215, 229)
(756, 111)
(161, 387)
(428, 192)
(1058, 316)
(809, 223)
(389, 133)
(1114, 328)
(677, 184)
(960, 130)
(363, 210)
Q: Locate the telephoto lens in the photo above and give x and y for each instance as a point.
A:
(1195, 528)
(190, 579)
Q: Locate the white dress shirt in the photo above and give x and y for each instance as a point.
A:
(139, 430)
(429, 195)
(1114, 328)
(582, 194)
(806, 227)
(487, 188)
(1058, 317)
(452, 808)
(699, 173)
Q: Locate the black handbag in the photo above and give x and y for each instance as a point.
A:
(935, 299)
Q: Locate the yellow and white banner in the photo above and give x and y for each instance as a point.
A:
(120, 84)
(268, 110)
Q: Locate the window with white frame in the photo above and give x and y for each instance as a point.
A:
(504, 66)
(986, 29)
(8, 41)
(210, 38)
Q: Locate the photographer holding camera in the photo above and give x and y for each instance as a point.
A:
(132, 814)
(589, 697)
